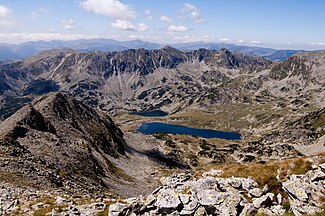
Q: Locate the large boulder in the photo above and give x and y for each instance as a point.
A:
(306, 191)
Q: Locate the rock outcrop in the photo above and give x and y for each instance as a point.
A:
(184, 194)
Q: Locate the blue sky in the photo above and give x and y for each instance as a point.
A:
(286, 24)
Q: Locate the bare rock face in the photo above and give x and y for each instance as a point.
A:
(306, 191)
(60, 142)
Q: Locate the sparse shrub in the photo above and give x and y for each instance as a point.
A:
(170, 143)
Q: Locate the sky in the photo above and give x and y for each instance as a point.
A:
(281, 24)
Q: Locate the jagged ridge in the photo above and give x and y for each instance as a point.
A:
(60, 142)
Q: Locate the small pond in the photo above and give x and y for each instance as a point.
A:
(153, 113)
(158, 127)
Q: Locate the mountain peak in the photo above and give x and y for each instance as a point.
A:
(169, 48)
(61, 135)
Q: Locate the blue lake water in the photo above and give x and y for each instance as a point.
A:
(153, 113)
(158, 127)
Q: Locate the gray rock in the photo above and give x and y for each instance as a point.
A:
(230, 205)
(98, 206)
(255, 192)
(248, 184)
(248, 209)
(265, 189)
(117, 209)
(265, 200)
(299, 208)
(211, 198)
(207, 183)
(60, 200)
(277, 210)
(37, 205)
(317, 174)
(295, 189)
(213, 173)
(150, 200)
(279, 198)
(322, 167)
(167, 201)
(166, 180)
(235, 182)
(305, 191)
(190, 204)
(175, 180)
(201, 212)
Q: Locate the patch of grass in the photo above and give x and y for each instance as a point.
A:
(301, 166)
(261, 214)
(161, 136)
(49, 204)
(266, 173)
(103, 213)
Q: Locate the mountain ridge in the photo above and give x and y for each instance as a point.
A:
(129, 73)
(28, 49)
(55, 142)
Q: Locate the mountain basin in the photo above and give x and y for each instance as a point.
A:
(158, 127)
(153, 113)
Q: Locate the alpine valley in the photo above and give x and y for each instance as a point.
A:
(69, 143)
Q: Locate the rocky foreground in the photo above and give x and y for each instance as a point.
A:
(185, 194)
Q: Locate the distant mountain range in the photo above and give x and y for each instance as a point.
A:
(28, 49)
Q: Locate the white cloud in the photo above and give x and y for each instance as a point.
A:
(21, 37)
(177, 28)
(68, 24)
(145, 37)
(148, 12)
(164, 18)
(7, 18)
(194, 12)
(225, 40)
(109, 8)
(240, 41)
(255, 42)
(127, 25)
(48, 36)
(142, 27)
(317, 43)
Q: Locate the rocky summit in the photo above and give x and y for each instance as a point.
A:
(58, 142)
(185, 194)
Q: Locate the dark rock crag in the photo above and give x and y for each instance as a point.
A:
(59, 142)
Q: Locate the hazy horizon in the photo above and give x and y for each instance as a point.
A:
(273, 24)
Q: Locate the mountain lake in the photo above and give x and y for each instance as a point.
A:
(158, 127)
(153, 113)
